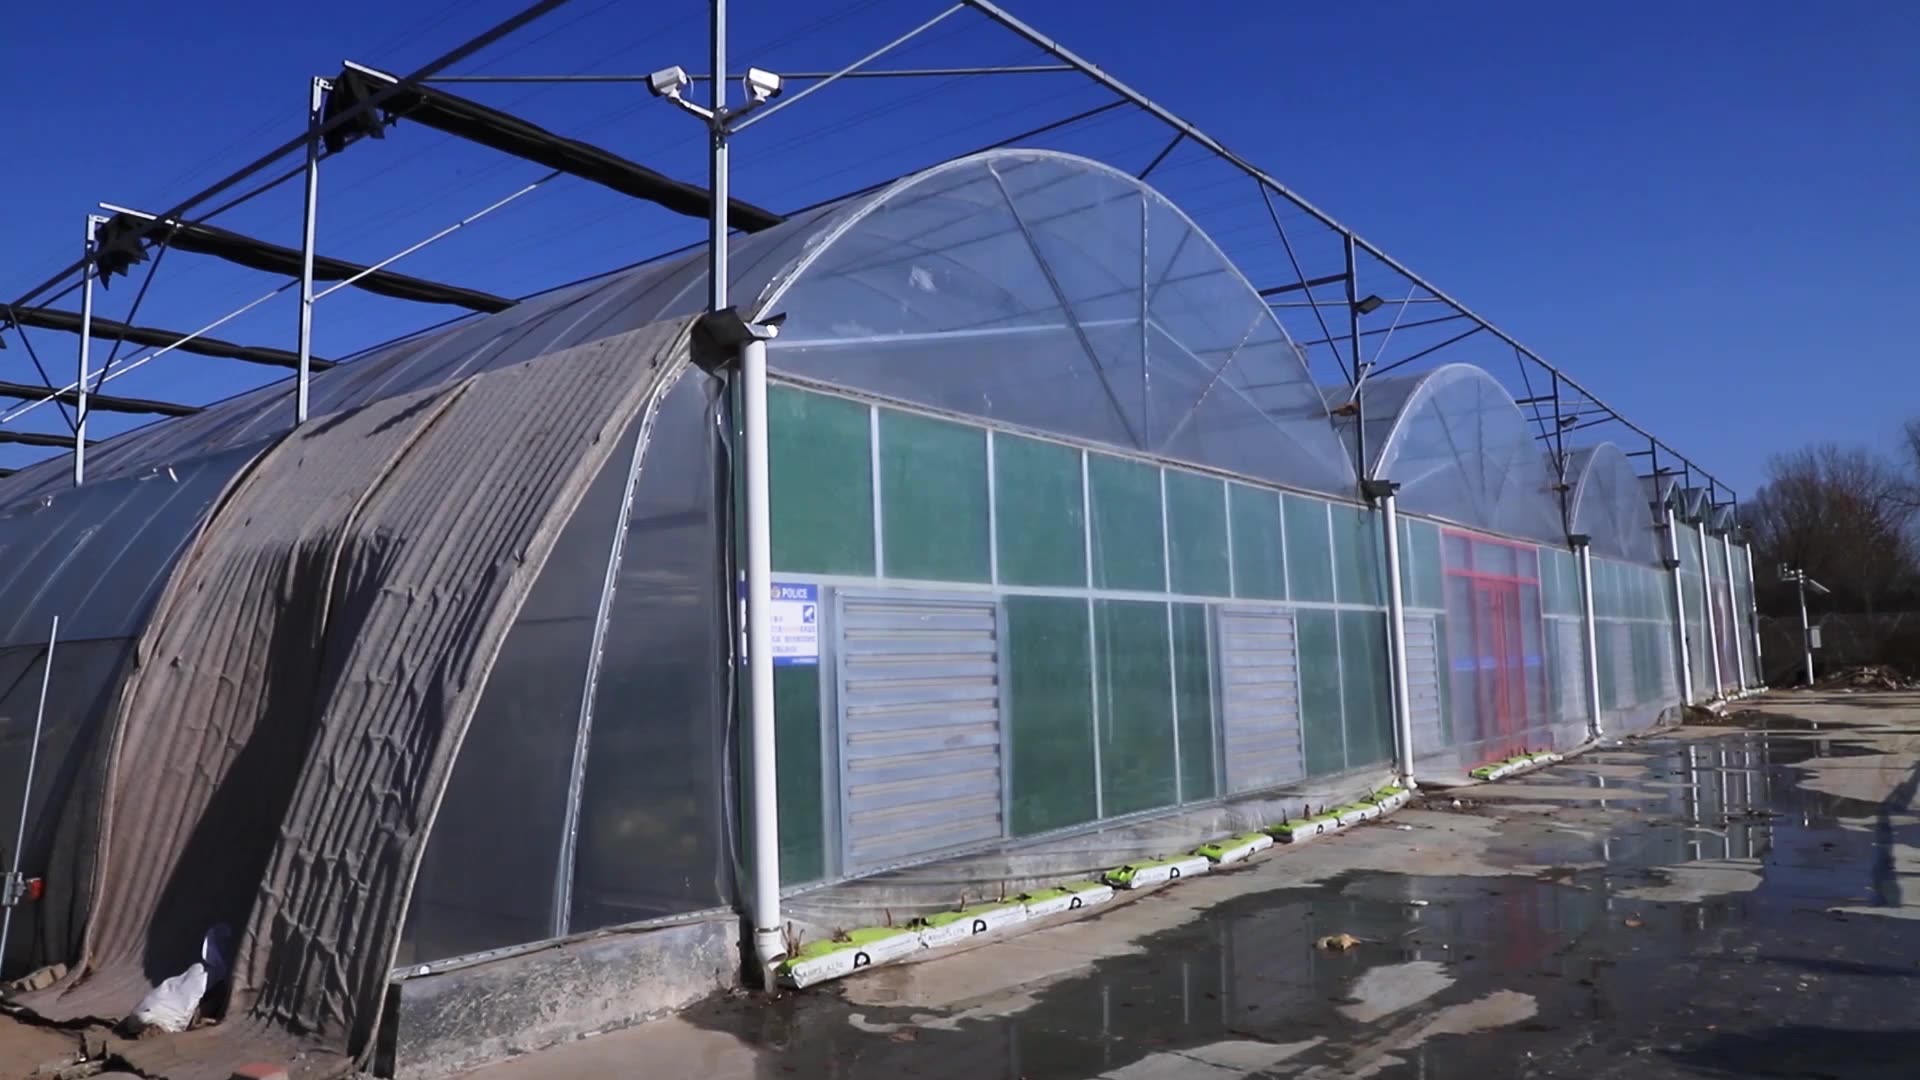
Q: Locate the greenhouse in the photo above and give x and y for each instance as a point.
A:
(1067, 531)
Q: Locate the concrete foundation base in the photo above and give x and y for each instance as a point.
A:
(466, 1017)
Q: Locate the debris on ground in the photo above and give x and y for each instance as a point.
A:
(170, 1007)
(1867, 677)
(1338, 942)
(1634, 923)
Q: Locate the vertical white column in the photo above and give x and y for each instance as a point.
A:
(89, 270)
(1585, 552)
(767, 939)
(1706, 603)
(316, 98)
(1397, 638)
(1679, 608)
(1733, 613)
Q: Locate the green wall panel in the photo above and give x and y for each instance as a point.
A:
(820, 453)
(1317, 634)
(1359, 556)
(1050, 713)
(1368, 697)
(1127, 552)
(933, 498)
(1309, 550)
(1136, 705)
(1039, 513)
(802, 794)
(1197, 534)
(1259, 549)
(1193, 686)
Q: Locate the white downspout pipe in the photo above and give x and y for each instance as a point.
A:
(768, 942)
(1706, 604)
(1679, 608)
(1733, 613)
(1397, 630)
(1585, 552)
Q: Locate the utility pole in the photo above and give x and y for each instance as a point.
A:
(1803, 582)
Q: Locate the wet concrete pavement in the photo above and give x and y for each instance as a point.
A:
(1730, 901)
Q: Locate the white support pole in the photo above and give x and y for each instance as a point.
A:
(1679, 608)
(1706, 603)
(1585, 552)
(768, 942)
(316, 99)
(88, 272)
(1733, 614)
(1397, 634)
(1753, 615)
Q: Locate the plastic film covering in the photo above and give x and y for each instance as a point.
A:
(1607, 503)
(651, 840)
(566, 317)
(1032, 288)
(1461, 451)
(63, 813)
(331, 644)
(489, 875)
(1050, 293)
(97, 555)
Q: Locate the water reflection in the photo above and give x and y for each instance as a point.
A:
(1609, 971)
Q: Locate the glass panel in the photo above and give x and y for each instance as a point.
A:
(1363, 675)
(1259, 551)
(1318, 636)
(1128, 545)
(1309, 549)
(1193, 680)
(933, 498)
(1491, 558)
(802, 788)
(820, 451)
(1424, 540)
(1039, 513)
(1533, 656)
(1136, 706)
(652, 841)
(1049, 713)
(1197, 534)
(1359, 556)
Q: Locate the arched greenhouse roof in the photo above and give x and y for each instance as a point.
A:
(1607, 502)
(1028, 287)
(1461, 451)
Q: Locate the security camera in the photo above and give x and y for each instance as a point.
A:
(668, 82)
(761, 85)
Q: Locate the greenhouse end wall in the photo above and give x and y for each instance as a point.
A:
(1018, 635)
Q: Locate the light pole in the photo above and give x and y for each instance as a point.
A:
(1799, 578)
(750, 343)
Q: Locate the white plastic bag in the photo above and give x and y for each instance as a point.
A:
(171, 1005)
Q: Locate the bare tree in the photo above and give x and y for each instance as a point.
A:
(1843, 514)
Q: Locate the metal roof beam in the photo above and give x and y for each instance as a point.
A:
(109, 330)
(102, 402)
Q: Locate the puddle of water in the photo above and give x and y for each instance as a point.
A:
(1683, 934)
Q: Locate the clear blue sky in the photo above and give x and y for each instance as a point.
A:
(1707, 212)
